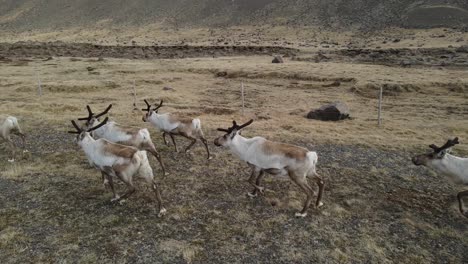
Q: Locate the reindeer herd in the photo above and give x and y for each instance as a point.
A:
(120, 152)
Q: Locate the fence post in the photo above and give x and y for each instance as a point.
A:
(134, 96)
(380, 106)
(242, 93)
(39, 86)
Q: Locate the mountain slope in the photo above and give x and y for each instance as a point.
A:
(60, 14)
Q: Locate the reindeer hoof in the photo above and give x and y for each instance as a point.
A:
(300, 215)
(252, 194)
(210, 158)
(11, 160)
(115, 199)
(25, 151)
(320, 204)
(162, 212)
(464, 213)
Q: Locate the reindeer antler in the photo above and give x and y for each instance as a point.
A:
(448, 144)
(78, 129)
(104, 112)
(235, 126)
(98, 126)
(159, 106)
(148, 106)
(91, 114)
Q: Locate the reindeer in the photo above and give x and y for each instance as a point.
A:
(446, 164)
(126, 135)
(9, 126)
(274, 158)
(116, 160)
(172, 125)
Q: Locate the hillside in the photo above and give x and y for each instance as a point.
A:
(363, 14)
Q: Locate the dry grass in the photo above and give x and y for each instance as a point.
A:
(379, 208)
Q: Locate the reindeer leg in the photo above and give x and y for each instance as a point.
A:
(157, 193)
(130, 187)
(147, 174)
(257, 183)
(165, 140)
(152, 149)
(321, 185)
(108, 172)
(301, 181)
(203, 140)
(252, 180)
(23, 140)
(13, 149)
(173, 141)
(460, 201)
(110, 179)
(105, 180)
(194, 140)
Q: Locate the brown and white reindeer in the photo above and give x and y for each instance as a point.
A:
(175, 126)
(125, 135)
(9, 126)
(116, 160)
(274, 158)
(454, 167)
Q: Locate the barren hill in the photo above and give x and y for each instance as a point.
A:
(365, 14)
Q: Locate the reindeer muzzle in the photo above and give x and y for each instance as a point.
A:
(416, 161)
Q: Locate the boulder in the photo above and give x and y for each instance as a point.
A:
(277, 59)
(330, 112)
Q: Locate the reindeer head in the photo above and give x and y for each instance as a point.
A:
(437, 153)
(82, 133)
(230, 133)
(93, 118)
(150, 111)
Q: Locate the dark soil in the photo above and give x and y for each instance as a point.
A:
(404, 57)
(59, 49)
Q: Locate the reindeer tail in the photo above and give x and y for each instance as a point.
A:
(196, 123)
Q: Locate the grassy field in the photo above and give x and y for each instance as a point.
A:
(379, 208)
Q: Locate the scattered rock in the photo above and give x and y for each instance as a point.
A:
(333, 84)
(277, 59)
(90, 69)
(330, 112)
(166, 88)
(463, 49)
(406, 63)
(320, 57)
(221, 74)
